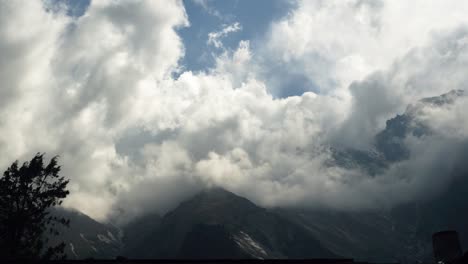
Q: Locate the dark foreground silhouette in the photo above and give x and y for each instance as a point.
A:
(447, 248)
(28, 192)
(202, 261)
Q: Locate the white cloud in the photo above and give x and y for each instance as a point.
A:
(337, 42)
(79, 83)
(214, 38)
(99, 91)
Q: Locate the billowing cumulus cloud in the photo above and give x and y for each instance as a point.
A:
(99, 90)
(334, 43)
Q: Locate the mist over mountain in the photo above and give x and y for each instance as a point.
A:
(219, 224)
(216, 223)
(282, 129)
(149, 102)
(390, 145)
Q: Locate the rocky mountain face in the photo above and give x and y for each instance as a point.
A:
(139, 230)
(86, 238)
(220, 224)
(390, 141)
(402, 234)
(213, 224)
(389, 146)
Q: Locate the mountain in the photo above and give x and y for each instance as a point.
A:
(219, 224)
(390, 141)
(446, 210)
(403, 233)
(389, 144)
(86, 237)
(373, 236)
(138, 230)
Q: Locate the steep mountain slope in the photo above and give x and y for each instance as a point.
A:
(88, 238)
(140, 229)
(220, 224)
(448, 209)
(389, 144)
(365, 236)
(403, 233)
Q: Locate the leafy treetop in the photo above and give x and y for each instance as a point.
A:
(27, 193)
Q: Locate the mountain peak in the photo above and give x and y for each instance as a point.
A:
(446, 98)
(220, 224)
(217, 201)
(217, 194)
(216, 191)
(435, 101)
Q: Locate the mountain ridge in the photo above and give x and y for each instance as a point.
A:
(248, 231)
(237, 228)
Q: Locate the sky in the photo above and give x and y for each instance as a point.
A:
(149, 102)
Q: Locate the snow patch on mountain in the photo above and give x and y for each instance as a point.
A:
(85, 239)
(72, 248)
(252, 247)
(94, 249)
(104, 239)
(112, 237)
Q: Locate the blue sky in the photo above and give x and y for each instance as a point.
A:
(75, 7)
(253, 16)
(254, 19)
(207, 16)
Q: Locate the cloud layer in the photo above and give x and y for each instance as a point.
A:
(99, 90)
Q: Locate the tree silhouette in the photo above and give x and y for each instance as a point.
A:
(27, 195)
